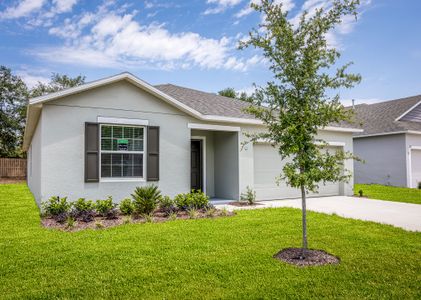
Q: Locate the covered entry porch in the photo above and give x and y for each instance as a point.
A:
(215, 160)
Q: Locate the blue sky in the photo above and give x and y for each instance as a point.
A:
(193, 43)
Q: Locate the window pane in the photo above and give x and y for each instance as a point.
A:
(138, 133)
(117, 132)
(106, 144)
(127, 171)
(115, 146)
(106, 131)
(116, 159)
(105, 171)
(127, 159)
(138, 165)
(137, 145)
(116, 171)
(106, 159)
(128, 132)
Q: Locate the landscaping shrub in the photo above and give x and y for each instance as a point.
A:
(193, 200)
(146, 199)
(126, 207)
(57, 207)
(167, 205)
(106, 208)
(361, 193)
(83, 210)
(419, 185)
(249, 196)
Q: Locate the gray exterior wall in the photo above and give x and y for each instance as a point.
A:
(58, 147)
(34, 162)
(227, 165)
(385, 160)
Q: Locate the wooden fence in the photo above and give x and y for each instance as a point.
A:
(12, 168)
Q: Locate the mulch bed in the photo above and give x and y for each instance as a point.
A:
(243, 203)
(101, 222)
(313, 257)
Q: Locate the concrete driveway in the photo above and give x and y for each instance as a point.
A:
(403, 215)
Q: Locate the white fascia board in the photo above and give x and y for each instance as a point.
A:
(412, 107)
(122, 121)
(213, 127)
(415, 147)
(386, 133)
(341, 129)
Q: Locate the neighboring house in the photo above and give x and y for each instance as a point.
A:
(390, 143)
(109, 136)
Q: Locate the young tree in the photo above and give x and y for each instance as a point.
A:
(13, 100)
(296, 104)
(57, 83)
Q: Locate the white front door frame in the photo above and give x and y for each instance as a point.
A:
(409, 171)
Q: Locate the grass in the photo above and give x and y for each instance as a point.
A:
(390, 193)
(205, 258)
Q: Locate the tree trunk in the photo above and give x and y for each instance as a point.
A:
(304, 213)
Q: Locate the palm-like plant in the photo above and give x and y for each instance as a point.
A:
(146, 199)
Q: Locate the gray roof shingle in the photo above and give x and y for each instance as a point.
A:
(214, 104)
(381, 117)
(207, 103)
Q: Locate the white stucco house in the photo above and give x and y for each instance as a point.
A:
(390, 144)
(108, 136)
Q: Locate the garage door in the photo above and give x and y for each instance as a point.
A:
(415, 167)
(268, 166)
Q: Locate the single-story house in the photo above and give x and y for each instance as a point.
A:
(108, 136)
(390, 144)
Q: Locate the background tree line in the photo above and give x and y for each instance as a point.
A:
(14, 97)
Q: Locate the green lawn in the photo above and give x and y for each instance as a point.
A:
(391, 193)
(219, 258)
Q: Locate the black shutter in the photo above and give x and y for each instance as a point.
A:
(152, 173)
(91, 152)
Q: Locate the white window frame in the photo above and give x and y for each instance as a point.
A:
(123, 179)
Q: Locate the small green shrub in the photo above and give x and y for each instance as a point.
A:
(361, 193)
(224, 211)
(193, 213)
(126, 207)
(70, 222)
(210, 212)
(419, 185)
(172, 216)
(195, 200)
(127, 220)
(83, 210)
(99, 225)
(249, 195)
(166, 204)
(148, 218)
(106, 208)
(57, 208)
(146, 199)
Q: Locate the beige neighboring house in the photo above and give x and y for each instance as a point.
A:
(390, 143)
(109, 136)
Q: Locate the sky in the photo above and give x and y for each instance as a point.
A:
(194, 43)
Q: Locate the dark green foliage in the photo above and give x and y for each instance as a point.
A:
(193, 200)
(167, 205)
(57, 208)
(249, 195)
(106, 208)
(232, 93)
(83, 210)
(126, 207)
(361, 193)
(13, 101)
(57, 83)
(419, 185)
(145, 199)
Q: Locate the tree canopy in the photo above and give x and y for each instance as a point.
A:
(14, 95)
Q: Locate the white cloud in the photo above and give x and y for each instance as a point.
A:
(32, 78)
(287, 5)
(23, 9)
(62, 6)
(221, 6)
(109, 39)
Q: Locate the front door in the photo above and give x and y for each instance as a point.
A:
(196, 165)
